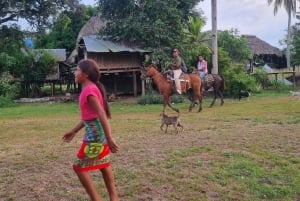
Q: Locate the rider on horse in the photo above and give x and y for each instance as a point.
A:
(202, 67)
(176, 68)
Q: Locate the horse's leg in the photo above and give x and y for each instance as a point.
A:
(200, 101)
(192, 99)
(167, 101)
(192, 105)
(221, 96)
(215, 97)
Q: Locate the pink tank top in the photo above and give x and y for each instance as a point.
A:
(87, 113)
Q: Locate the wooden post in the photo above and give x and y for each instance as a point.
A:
(143, 87)
(52, 88)
(214, 37)
(115, 84)
(294, 76)
(134, 84)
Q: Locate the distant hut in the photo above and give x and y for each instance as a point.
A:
(262, 53)
(119, 64)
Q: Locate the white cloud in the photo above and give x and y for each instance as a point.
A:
(253, 17)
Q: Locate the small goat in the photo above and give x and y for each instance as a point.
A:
(170, 120)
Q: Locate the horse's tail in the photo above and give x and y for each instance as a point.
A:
(223, 84)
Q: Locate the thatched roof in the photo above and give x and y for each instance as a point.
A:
(92, 27)
(260, 47)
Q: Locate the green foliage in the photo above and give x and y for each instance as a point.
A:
(235, 45)
(296, 43)
(224, 61)
(6, 62)
(7, 89)
(37, 13)
(11, 40)
(155, 98)
(65, 29)
(278, 86)
(237, 79)
(261, 77)
(156, 24)
(6, 101)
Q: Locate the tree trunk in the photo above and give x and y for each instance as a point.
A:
(288, 52)
(214, 37)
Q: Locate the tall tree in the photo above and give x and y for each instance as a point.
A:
(235, 45)
(37, 13)
(290, 7)
(295, 42)
(154, 24)
(65, 29)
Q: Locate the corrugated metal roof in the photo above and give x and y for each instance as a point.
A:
(94, 43)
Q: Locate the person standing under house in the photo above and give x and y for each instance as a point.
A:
(176, 68)
(97, 141)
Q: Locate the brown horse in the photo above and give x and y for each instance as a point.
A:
(166, 88)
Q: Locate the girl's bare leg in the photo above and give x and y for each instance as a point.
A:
(109, 180)
(89, 186)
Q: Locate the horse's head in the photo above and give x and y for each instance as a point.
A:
(148, 71)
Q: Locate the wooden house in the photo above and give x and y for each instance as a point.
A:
(263, 53)
(119, 64)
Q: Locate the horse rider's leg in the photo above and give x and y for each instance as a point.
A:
(177, 74)
(215, 97)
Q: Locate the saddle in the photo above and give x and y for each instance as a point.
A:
(184, 80)
(208, 81)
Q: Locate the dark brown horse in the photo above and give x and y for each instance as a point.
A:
(216, 82)
(165, 87)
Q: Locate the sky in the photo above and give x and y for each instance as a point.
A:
(252, 17)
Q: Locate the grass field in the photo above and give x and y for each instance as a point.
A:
(244, 150)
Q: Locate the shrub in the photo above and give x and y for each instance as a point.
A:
(261, 77)
(156, 98)
(6, 102)
(7, 89)
(278, 86)
(236, 80)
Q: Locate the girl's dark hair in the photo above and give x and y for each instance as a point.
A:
(91, 69)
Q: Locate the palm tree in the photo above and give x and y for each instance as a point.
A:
(290, 7)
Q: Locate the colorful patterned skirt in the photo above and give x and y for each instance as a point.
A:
(92, 155)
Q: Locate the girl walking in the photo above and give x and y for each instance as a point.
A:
(97, 141)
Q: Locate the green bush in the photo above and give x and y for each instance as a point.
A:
(236, 80)
(6, 102)
(7, 89)
(155, 98)
(278, 86)
(261, 77)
